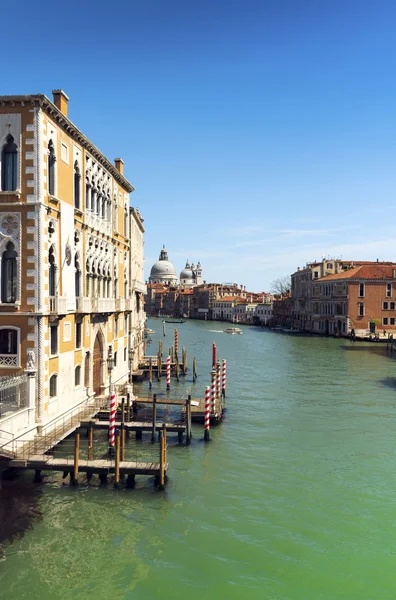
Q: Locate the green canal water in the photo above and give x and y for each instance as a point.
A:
(293, 499)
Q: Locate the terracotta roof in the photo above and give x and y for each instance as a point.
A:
(228, 299)
(367, 271)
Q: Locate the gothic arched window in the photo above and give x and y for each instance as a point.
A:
(52, 272)
(9, 165)
(51, 168)
(77, 276)
(9, 274)
(77, 179)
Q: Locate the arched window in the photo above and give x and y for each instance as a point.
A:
(116, 215)
(9, 274)
(52, 272)
(9, 165)
(87, 278)
(53, 386)
(126, 222)
(93, 196)
(87, 363)
(77, 276)
(77, 376)
(77, 180)
(51, 168)
(87, 195)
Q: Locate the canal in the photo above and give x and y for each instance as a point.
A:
(293, 499)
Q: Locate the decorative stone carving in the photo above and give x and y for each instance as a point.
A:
(68, 254)
(31, 361)
(9, 225)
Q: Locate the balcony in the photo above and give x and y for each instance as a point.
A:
(128, 304)
(103, 305)
(139, 286)
(120, 304)
(83, 304)
(58, 305)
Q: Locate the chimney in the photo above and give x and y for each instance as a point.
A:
(119, 165)
(61, 101)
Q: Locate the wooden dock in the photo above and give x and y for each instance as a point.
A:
(104, 467)
(197, 408)
(138, 426)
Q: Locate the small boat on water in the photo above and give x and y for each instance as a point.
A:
(174, 321)
(233, 330)
(147, 331)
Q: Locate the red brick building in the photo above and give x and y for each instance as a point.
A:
(362, 299)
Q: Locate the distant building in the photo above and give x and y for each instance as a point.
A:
(191, 275)
(163, 270)
(362, 299)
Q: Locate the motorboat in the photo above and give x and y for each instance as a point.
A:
(175, 321)
(148, 331)
(233, 330)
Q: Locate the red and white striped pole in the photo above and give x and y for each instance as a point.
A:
(224, 378)
(213, 355)
(218, 380)
(213, 391)
(112, 417)
(176, 342)
(207, 414)
(168, 370)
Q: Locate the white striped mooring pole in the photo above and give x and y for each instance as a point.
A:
(218, 380)
(112, 417)
(207, 414)
(168, 370)
(224, 378)
(213, 390)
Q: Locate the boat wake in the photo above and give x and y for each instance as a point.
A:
(216, 330)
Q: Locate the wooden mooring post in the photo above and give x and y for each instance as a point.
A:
(184, 361)
(74, 474)
(150, 373)
(162, 457)
(90, 440)
(188, 421)
(117, 459)
(194, 369)
(123, 410)
(128, 407)
(122, 440)
(177, 367)
(154, 417)
(159, 366)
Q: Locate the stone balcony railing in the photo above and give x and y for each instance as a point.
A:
(83, 305)
(120, 304)
(92, 305)
(58, 305)
(128, 304)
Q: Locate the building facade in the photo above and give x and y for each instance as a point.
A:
(361, 300)
(70, 288)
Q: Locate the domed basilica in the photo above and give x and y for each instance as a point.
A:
(164, 272)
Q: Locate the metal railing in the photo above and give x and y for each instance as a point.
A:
(13, 394)
(54, 431)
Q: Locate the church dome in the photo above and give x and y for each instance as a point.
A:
(186, 273)
(163, 270)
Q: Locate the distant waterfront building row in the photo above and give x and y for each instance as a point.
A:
(339, 297)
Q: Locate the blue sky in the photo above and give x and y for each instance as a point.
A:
(258, 134)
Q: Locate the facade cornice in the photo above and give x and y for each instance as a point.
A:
(138, 218)
(51, 110)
